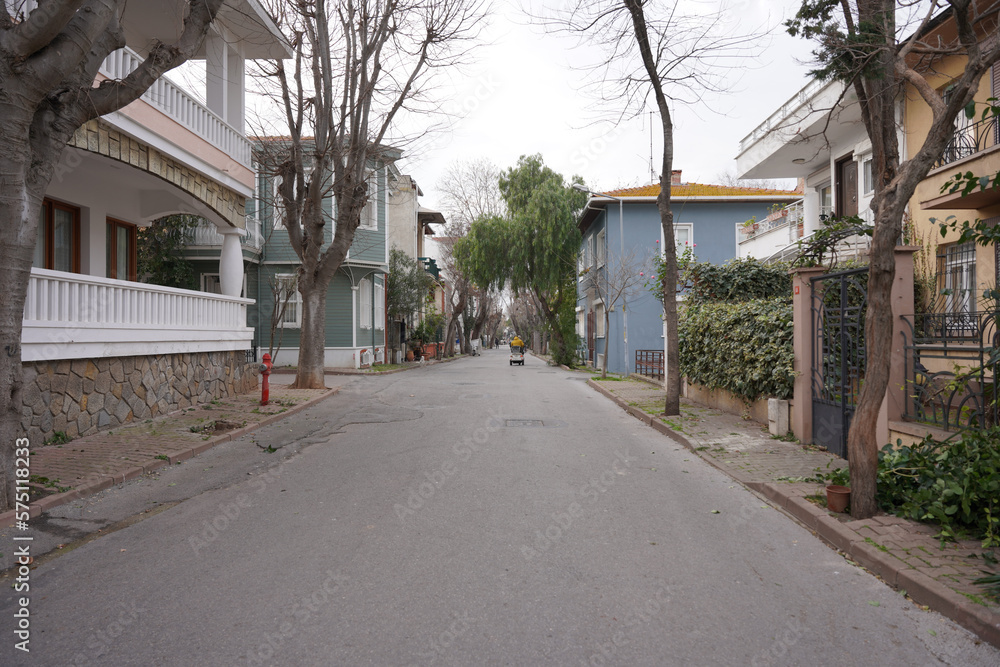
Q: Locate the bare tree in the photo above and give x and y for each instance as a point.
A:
(49, 59)
(618, 281)
(471, 190)
(671, 57)
(862, 47)
(359, 65)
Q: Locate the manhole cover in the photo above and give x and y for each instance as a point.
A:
(524, 423)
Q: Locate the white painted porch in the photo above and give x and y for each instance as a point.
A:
(73, 316)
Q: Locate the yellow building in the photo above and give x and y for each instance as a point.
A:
(961, 272)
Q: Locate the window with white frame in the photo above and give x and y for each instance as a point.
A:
(599, 319)
(379, 306)
(683, 236)
(369, 214)
(289, 311)
(601, 236)
(365, 303)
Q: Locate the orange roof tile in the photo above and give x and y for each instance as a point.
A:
(699, 190)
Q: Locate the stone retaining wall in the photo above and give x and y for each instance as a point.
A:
(82, 396)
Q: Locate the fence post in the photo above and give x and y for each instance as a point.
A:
(802, 349)
(894, 404)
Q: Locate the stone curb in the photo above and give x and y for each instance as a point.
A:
(920, 587)
(104, 482)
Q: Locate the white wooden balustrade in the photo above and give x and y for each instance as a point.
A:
(182, 107)
(72, 316)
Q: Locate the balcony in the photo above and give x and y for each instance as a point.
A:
(178, 105)
(207, 234)
(73, 316)
(970, 140)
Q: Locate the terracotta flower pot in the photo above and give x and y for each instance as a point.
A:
(409, 355)
(837, 497)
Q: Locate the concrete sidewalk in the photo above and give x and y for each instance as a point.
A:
(904, 553)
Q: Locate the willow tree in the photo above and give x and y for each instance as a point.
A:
(49, 58)
(533, 247)
(862, 45)
(358, 67)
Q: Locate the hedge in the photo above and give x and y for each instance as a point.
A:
(744, 348)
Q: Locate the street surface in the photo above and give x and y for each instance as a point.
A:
(467, 513)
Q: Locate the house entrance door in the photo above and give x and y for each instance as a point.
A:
(847, 187)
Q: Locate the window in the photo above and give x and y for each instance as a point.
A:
(599, 319)
(365, 303)
(601, 236)
(683, 236)
(957, 271)
(58, 244)
(868, 178)
(379, 306)
(289, 311)
(369, 214)
(825, 202)
(121, 250)
(211, 283)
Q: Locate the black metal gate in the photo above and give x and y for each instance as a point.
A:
(838, 354)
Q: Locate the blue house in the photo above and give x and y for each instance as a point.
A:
(626, 223)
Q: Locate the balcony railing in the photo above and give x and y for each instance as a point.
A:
(72, 316)
(969, 140)
(181, 107)
(784, 111)
(207, 234)
(790, 217)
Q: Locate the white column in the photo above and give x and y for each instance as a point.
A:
(810, 211)
(216, 73)
(231, 262)
(235, 90)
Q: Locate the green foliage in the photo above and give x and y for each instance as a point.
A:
(816, 250)
(564, 345)
(744, 348)
(736, 280)
(428, 330)
(533, 248)
(408, 286)
(845, 52)
(955, 484)
(160, 252)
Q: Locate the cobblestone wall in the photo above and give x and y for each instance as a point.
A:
(83, 396)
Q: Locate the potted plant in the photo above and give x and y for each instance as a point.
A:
(837, 497)
(750, 226)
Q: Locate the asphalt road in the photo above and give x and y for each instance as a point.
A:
(469, 513)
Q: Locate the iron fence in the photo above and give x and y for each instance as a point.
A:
(649, 363)
(951, 368)
(969, 140)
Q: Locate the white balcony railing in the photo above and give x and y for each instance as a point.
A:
(207, 234)
(783, 112)
(72, 316)
(181, 107)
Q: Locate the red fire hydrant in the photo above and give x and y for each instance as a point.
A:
(265, 373)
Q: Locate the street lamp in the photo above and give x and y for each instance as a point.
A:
(621, 255)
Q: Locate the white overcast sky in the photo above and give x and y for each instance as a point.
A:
(522, 95)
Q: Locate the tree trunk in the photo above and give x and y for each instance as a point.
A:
(21, 198)
(16, 256)
(312, 342)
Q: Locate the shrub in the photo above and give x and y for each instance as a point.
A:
(955, 484)
(744, 348)
(745, 279)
